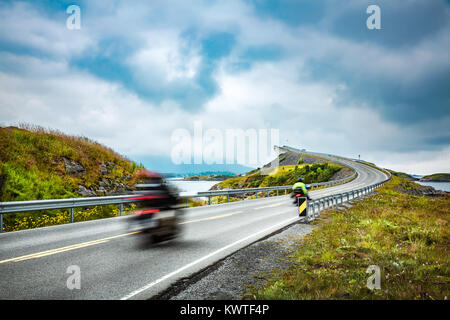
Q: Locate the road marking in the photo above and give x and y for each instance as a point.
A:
(269, 206)
(167, 276)
(212, 218)
(64, 249)
(302, 207)
(99, 241)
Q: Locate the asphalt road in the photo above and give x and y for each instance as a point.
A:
(113, 264)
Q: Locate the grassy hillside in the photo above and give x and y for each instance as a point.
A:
(285, 175)
(39, 164)
(406, 235)
(402, 175)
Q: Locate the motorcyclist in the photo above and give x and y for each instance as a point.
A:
(299, 188)
(151, 196)
(153, 192)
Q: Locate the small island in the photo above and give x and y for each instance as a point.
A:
(211, 177)
(437, 177)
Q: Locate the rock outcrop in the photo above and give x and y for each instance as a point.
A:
(105, 186)
(73, 167)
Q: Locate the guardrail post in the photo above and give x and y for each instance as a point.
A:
(243, 196)
(256, 194)
(277, 192)
(228, 197)
(209, 200)
(71, 215)
(121, 209)
(1, 223)
(313, 211)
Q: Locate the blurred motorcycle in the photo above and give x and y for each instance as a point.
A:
(158, 211)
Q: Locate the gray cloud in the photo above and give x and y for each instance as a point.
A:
(329, 85)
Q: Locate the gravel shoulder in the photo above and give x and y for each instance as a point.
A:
(229, 278)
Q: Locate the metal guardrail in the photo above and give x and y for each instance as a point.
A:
(38, 205)
(315, 206)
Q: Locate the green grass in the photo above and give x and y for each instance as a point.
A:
(406, 236)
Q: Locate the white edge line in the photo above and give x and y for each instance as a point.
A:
(132, 294)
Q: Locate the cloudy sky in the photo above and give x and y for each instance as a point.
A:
(135, 72)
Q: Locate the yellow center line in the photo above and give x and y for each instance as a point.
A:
(64, 249)
(212, 218)
(269, 206)
(99, 241)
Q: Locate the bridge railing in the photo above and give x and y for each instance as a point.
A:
(267, 190)
(315, 206)
(72, 203)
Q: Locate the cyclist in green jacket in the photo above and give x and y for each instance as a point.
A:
(300, 188)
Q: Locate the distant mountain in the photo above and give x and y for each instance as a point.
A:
(165, 165)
